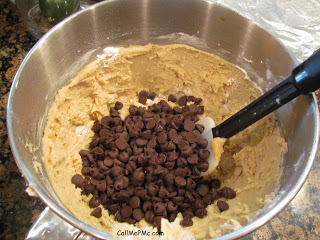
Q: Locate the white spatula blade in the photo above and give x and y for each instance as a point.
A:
(208, 124)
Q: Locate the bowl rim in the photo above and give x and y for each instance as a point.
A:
(65, 215)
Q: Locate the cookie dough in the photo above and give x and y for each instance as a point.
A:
(249, 161)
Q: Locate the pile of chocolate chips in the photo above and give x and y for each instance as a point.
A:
(149, 164)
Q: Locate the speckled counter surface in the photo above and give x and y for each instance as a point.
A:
(299, 220)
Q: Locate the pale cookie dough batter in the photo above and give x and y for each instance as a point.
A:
(249, 163)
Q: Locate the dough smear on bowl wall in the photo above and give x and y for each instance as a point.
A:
(250, 160)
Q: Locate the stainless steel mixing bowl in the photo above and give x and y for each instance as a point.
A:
(76, 41)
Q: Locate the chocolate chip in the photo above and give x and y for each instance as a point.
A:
(186, 222)
(152, 143)
(138, 177)
(162, 137)
(204, 154)
(180, 181)
(171, 207)
(227, 193)
(124, 157)
(169, 178)
(201, 212)
(197, 101)
(193, 108)
(201, 110)
(135, 202)
(182, 144)
(177, 110)
(130, 220)
(149, 216)
(182, 162)
(122, 196)
(193, 136)
(121, 182)
(117, 171)
(187, 213)
(130, 190)
(108, 162)
(94, 172)
(118, 105)
(203, 166)
(159, 208)
(114, 113)
(89, 187)
(147, 205)
(203, 143)
(77, 180)
(172, 98)
(102, 166)
(86, 154)
(106, 120)
(96, 127)
(158, 169)
(95, 141)
(98, 152)
(136, 151)
(199, 127)
(194, 159)
(133, 110)
(180, 172)
(125, 136)
(189, 197)
(182, 101)
(222, 205)
(202, 189)
(141, 142)
(110, 190)
(187, 151)
(190, 183)
(113, 208)
(118, 217)
(153, 189)
(97, 212)
(114, 153)
(169, 165)
(137, 214)
(207, 199)
(178, 200)
(178, 119)
(121, 143)
(126, 211)
(198, 204)
(151, 124)
(181, 191)
(142, 160)
(163, 192)
(215, 183)
(157, 159)
(189, 125)
(149, 152)
(101, 185)
(143, 97)
(94, 202)
(104, 198)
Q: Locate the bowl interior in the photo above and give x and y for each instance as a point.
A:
(76, 41)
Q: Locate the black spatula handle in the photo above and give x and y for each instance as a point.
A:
(305, 79)
(307, 74)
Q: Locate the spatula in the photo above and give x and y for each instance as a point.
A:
(305, 78)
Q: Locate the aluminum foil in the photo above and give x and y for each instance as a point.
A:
(296, 23)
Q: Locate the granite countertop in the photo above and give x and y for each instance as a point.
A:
(299, 220)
